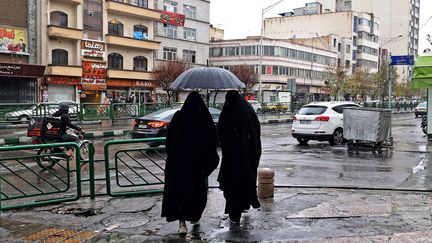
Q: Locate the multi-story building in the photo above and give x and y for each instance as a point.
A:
(20, 78)
(399, 24)
(282, 60)
(187, 42)
(362, 30)
(95, 49)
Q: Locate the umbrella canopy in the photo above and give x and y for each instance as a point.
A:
(422, 77)
(207, 78)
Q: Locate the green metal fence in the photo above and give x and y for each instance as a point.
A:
(21, 113)
(135, 170)
(24, 184)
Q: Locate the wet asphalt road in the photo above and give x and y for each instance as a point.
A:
(312, 214)
(322, 165)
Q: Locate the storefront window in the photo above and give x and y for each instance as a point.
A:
(140, 63)
(59, 57)
(115, 61)
(59, 18)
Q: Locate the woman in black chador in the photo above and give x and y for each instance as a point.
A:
(192, 156)
(239, 135)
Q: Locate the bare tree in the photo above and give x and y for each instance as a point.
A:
(360, 84)
(336, 79)
(165, 74)
(247, 75)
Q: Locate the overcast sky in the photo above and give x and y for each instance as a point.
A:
(241, 18)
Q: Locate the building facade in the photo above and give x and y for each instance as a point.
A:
(282, 61)
(20, 77)
(399, 24)
(95, 49)
(187, 42)
(356, 33)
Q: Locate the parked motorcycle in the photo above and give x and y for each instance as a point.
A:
(423, 124)
(48, 157)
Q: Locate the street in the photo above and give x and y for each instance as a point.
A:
(322, 165)
(321, 192)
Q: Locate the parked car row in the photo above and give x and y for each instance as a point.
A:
(40, 110)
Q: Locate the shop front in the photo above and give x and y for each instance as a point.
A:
(131, 91)
(93, 81)
(20, 83)
(60, 88)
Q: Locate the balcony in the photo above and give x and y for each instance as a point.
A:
(132, 43)
(74, 2)
(73, 71)
(129, 74)
(132, 10)
(64, 32)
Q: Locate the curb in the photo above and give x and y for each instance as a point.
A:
(97, 134)
(9, 126)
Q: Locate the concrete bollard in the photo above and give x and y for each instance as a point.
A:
(265, 183)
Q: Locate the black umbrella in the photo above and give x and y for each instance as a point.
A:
(207, 78)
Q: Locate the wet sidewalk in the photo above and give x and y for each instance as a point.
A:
(296, 214)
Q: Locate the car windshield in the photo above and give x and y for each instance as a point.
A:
(312, 110)
(423, 105)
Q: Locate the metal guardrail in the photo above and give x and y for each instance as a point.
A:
(21, 113)
(134, 171)
(24, 184)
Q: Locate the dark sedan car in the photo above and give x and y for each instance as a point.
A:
(155, 124)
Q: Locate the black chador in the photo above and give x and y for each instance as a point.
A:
(239, 135)
(191, 157)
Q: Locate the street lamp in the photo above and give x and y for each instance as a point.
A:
(264, 10)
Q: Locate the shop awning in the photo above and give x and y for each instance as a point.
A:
(422, 77)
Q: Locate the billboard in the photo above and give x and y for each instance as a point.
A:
(90, 48)
(13, 41)
(313, 8)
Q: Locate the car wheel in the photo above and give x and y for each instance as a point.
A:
(337, 138)
(258, 111)
(24, 118)
(303, 141)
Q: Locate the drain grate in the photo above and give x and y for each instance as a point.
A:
(54, 235)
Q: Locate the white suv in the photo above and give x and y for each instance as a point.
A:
(322, 121)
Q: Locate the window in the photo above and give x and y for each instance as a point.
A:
(189, 56)
(216, 52)
(339, 47)
(140, 3)
(115, 28)
(59, 57)
(140, 32)
(189, 11)
(356, 22)
(59, 18)
(348, 49)
(115, 61)
(93, 19)
(170, 31)
(334, 42)
(170, 6)
(140, 63)
(169, 53)
(189, 34)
